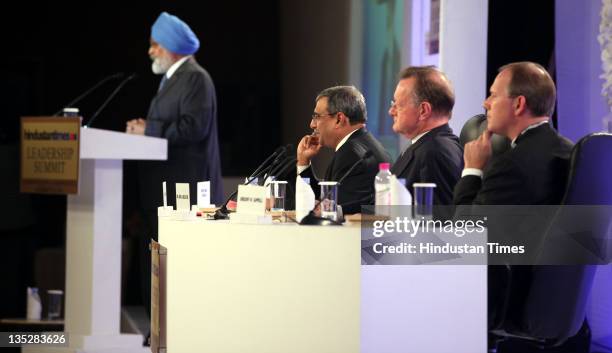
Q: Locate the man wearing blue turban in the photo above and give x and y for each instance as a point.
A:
(184, 111)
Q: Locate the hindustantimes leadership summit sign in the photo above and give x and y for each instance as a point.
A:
(50, 154)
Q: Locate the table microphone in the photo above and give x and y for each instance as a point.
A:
(278, 153)
(222, 212)
(91, 89)
(281, 168)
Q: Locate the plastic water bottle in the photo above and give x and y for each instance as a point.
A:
(382, 186)
(34, 308)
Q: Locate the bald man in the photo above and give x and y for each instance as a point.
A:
(421, 108)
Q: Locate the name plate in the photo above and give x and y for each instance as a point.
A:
(203, 194)
(50, 155)
(251, 200)
(182, 197)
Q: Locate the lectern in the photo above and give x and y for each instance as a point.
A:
(93, 242)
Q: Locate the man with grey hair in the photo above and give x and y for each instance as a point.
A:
(338, 122)
(421, 108)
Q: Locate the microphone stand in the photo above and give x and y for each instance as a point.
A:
(279, 152)
(112, 95)
(281, 168)
(93, 88)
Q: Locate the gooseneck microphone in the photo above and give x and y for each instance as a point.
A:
(265, 166)
(279, 162)
(90, 90)
(311, 218)
(278, 153)
(281, 168)
(110, 97)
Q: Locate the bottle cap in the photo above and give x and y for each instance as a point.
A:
(384, 166)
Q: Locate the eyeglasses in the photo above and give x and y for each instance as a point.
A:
(317, 116)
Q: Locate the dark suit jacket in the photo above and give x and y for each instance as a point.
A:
(437, 157)
(358, 187)
(532, 173)
(184, 111)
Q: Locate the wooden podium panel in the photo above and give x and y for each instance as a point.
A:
(158, 298)
(50, 155)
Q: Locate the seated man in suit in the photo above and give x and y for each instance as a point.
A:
(338, 122)
(421, 108)
(532, 172)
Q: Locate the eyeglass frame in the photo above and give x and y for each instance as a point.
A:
(317, 116)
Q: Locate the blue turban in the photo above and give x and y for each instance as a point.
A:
(174, 35)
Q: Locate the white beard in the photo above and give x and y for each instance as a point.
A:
(160, 65)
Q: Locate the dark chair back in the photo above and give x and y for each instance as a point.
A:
(474, 128)
(590, 178)
(555, 306)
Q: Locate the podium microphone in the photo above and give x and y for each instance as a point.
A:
(91, 89)
(312, 218)
(110, 97)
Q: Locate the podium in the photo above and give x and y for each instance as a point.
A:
(93, 243)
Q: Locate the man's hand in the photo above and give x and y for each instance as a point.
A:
(307, 148)
(477, 153)
(136, 126)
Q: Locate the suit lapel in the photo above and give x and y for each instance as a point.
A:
(404, 160)
(330, 169)
(172, 80)
(330, 172)
(168, 85)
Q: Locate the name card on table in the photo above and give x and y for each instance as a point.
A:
(182, 197)
(252, 200)
(203, 194)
